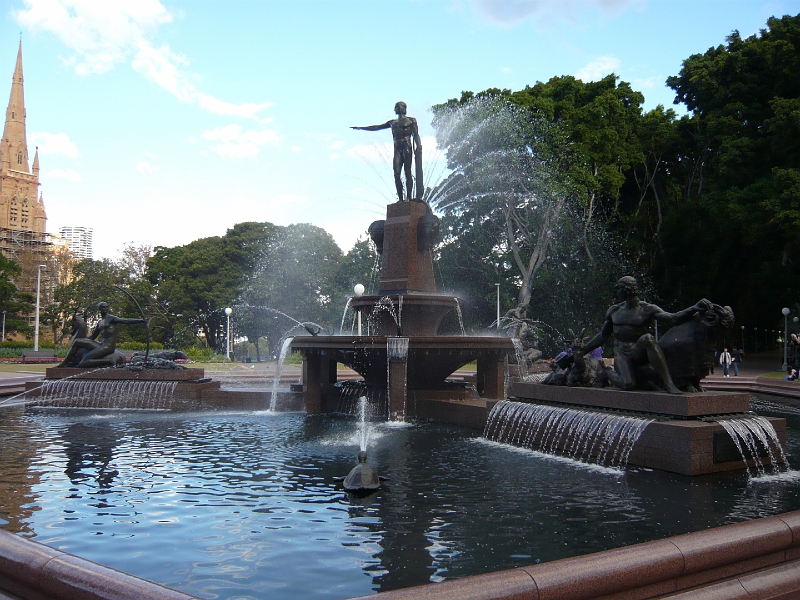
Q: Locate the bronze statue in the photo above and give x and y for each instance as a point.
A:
(634, 347)
(79, 343)
(85, 352)
(406, 143)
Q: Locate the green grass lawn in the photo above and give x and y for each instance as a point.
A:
(774, 375)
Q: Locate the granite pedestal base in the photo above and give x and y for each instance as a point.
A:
(683, 439)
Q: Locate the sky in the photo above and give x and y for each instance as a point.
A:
(161, 122)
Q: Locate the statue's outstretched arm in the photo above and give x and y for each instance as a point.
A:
(386, 125)
(683, 315)
(601, 338)
(124, 321)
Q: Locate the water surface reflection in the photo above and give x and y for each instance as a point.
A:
(247, 505)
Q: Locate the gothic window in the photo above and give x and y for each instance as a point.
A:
(12, 115)
(19, 158)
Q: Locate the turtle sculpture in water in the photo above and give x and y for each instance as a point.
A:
(362, 479)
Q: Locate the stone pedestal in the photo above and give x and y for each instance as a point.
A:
(319, 370)
(404, 267)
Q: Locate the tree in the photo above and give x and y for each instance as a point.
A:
(14, 304)
(745, 102)
(362, 264)
(293, 282)
(506, 180)
(196, 282)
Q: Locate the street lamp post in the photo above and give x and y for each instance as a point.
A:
(36, 315)
(742, 338)
(785, 310)
(498, 305)
(228, 312)
(359, 290)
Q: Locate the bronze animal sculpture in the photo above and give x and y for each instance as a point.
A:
(586, 370)
(689, 347)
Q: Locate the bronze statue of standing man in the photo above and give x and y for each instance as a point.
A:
(407, 143)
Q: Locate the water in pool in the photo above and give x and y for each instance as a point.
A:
(250, 506)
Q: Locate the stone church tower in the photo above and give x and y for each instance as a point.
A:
(21, 203)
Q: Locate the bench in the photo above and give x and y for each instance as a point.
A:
(39, 356)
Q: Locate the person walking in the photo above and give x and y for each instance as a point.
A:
(725, 360)
(737, 358)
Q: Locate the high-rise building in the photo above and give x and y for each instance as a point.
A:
(22, 215)
(80, 241)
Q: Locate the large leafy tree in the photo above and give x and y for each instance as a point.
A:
(505, 179)
(742, 145)
(196, 282)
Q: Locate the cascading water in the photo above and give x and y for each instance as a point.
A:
(385, 304)
(273, 400)
(606, 439)
(92, 393)
(755, 437)
(397, 350)
(460, 317)
(519, 351)
(344, 316)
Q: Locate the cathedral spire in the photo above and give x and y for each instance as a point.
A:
(15, 144)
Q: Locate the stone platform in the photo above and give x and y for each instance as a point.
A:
(699, 404)
(684, 437)
(179, 390)
(113, 374)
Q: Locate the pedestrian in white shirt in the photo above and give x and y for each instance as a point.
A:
(725, 359)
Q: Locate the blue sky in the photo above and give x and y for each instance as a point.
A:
(163, 122)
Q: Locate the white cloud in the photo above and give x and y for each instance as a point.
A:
(506, 70)
(103, 34)
(100, 33)
(67, 174)
(511, 12)
(233, 142)
(598, 68)
(54, 143)
(645, 84)
(338, 145)
(145, 168)
(297, 149)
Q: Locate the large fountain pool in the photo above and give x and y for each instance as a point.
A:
(248, 505)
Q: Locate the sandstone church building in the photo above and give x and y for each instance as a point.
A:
(22, 214)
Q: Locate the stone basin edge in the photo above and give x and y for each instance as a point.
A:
(731, 561)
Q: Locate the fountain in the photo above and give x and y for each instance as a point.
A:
(260, 480)
(403, 353)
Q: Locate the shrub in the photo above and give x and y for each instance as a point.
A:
(196, 354)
